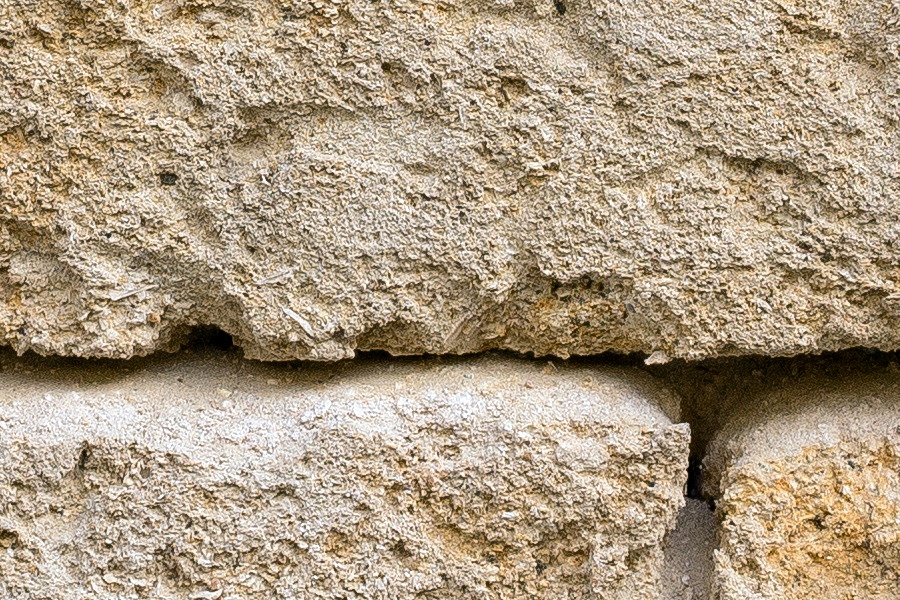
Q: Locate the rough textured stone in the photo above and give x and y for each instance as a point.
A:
(810, 493)
(688, 564)
(211, 479)
(559, 176)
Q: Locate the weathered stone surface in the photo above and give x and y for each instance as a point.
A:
(687, 178)
(491, 479)
(810, 493)
(688, 565)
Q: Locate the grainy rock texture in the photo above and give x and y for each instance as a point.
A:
(689, 178)
(222, 480)
(688, 563)
(810, 493)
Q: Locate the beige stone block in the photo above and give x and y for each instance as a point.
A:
(677, 178)
(808, 479)
(218, 479)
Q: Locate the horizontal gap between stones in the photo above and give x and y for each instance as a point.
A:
(710, 389)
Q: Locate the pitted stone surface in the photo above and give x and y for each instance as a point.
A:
(226, 480)
(681, 178)
(808, 488)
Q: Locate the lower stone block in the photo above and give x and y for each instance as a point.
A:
(448, 479)
(809, 479)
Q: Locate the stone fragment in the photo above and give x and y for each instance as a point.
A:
(808, 487)
(485, 479)
(683, 178)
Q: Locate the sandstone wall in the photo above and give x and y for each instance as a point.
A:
(706, 184)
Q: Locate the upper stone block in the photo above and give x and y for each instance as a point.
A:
(687, 178)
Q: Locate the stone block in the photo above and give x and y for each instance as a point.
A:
(808, 485)
(212, 479)
(681, 179)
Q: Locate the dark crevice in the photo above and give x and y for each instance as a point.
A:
(210, 337)
(695, 479)
(694, 487)
(84, 455)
